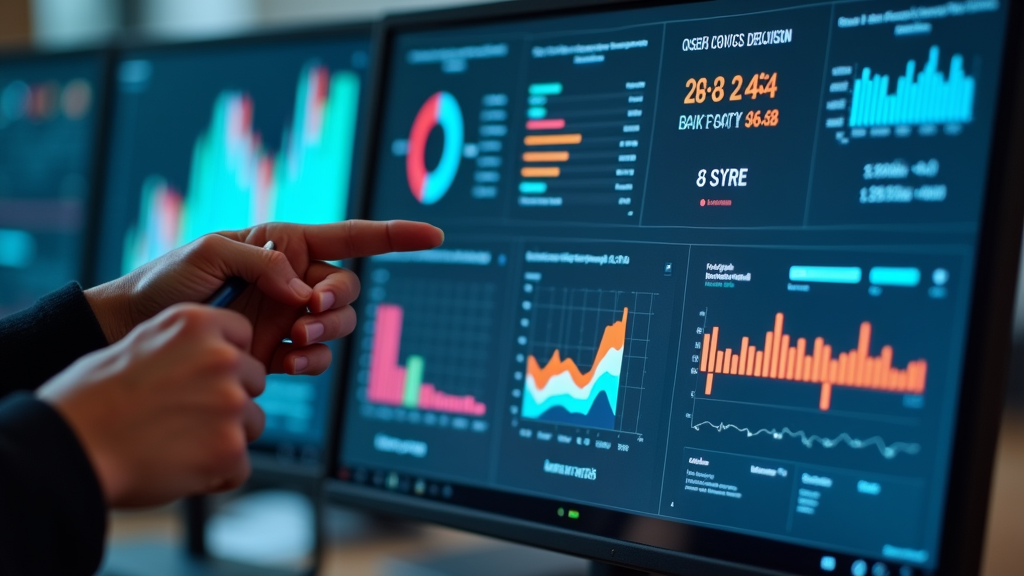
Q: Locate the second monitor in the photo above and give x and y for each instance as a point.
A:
(226, 135)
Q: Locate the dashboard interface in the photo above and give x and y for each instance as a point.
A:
(49, 114)
(226, 136)
(708, 270)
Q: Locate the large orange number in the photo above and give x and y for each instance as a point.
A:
(692, 85)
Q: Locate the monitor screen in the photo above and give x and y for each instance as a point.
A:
(227, 135)
(706, 280)
(49, 113)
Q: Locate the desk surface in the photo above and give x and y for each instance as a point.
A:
(1004, 550)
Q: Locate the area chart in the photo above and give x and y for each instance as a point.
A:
(780, 360)
(560, 392)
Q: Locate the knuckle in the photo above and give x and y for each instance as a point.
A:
(224, 356)
(233, 398)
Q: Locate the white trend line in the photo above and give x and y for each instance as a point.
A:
(888, 451)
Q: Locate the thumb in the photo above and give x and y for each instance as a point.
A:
(269, 270)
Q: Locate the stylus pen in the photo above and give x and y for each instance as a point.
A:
(233, 288)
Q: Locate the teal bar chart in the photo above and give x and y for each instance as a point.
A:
(927, 96)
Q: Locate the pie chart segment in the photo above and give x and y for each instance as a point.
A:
(440, 110)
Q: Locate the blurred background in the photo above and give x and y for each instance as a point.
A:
(70, 24)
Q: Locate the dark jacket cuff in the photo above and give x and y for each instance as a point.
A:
(53, 518)
(39, 342)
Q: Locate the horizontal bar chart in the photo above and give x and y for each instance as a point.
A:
(552, 139)
(541, 172)
(559, 156)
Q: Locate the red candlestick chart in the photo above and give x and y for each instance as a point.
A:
(812, 361)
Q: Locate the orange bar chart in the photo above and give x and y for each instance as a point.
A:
(812, 361)
(541, 172)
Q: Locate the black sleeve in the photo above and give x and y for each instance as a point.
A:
(53, 519)
(39, 342)
(52, 513)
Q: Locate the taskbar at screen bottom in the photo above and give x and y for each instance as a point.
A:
(421, 497)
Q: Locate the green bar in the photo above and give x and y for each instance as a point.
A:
(829, 274)
(884, 276)
(574, 514)
(536, 113)
(533, 187)
(546, 89)
(413, 379)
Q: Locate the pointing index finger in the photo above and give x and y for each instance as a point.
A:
(359, 238)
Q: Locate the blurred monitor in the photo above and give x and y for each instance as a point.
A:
(225, 135)
(726, 287)
(50, 112)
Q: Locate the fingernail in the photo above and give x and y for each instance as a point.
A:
(300, 289)
(442, 237)
(326, 301)
(301, 363)
(314, 330)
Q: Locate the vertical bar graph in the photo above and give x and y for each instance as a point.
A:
(785, 359)
(927, 96)
(391, 384)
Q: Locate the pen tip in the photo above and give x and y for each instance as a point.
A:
(269, 245)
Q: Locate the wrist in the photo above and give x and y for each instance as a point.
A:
(110, 305)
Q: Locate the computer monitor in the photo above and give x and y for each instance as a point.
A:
(224, 135)
(726, 287)
(50, 113)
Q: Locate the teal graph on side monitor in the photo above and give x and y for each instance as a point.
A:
(236, 180)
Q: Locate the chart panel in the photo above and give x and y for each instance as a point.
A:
(593, 336)
(589, 108)
(814, 386)
(734, 138)
(446, 139)
(425, 369)
(907, 118)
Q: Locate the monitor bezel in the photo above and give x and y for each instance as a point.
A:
(105, 57)
(266, 468)
(978, 415)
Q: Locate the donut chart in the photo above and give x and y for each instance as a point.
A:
(429, 186)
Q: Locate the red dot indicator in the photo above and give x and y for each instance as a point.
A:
(702, 202)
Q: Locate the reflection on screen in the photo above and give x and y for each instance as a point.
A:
(48, 118)
(709, 264)
(225, 137)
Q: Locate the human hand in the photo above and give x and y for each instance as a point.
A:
(285, 283)
(166, 411)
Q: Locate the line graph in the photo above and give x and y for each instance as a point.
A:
(889, 451)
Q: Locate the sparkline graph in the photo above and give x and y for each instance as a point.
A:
(235, 182)
(889, 451)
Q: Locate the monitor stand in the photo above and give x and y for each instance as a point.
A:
(225, 533)
(501, 559)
